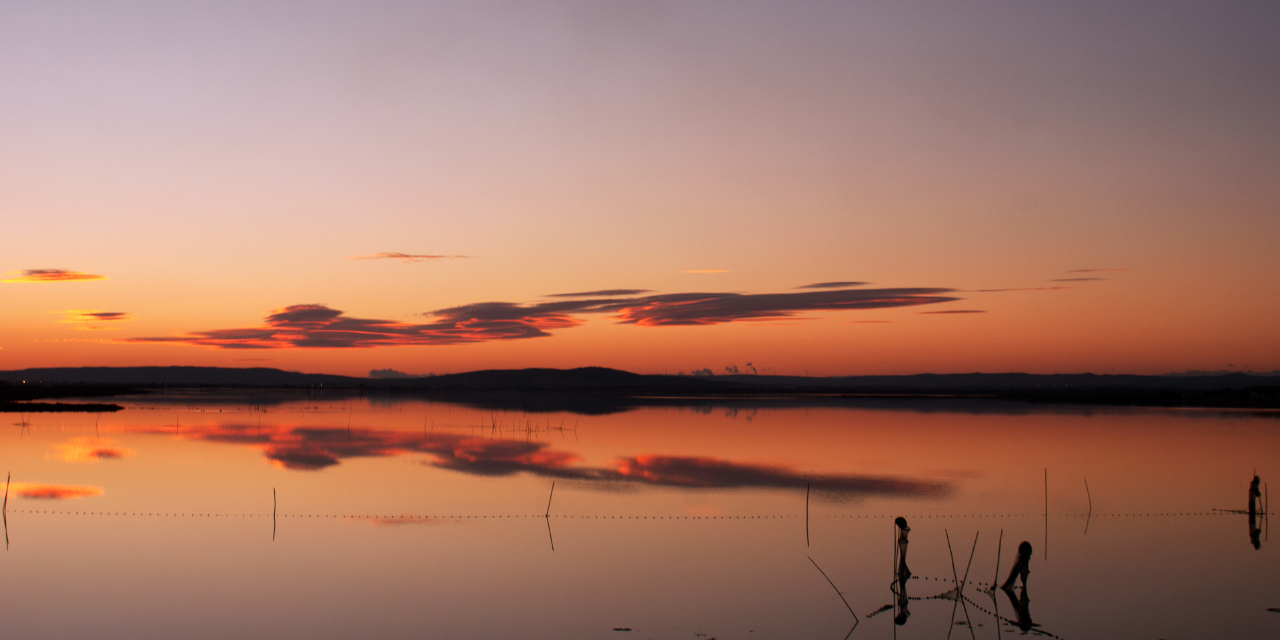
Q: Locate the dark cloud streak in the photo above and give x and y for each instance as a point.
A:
(309, 326)
(604, 293)
(832, 285)
(1022, 289)
(54, 275)
(406, 257)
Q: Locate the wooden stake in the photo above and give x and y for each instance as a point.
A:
(955, 578)
(806, 514)
(1090, 517)
(549, 537)
(833, 586)
(999, 547)
(966, 567)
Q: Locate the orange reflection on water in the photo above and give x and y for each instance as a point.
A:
(314, 448)
(91, 450)
(37, 491)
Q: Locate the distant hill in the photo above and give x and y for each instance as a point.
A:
(1003, 382)
(582, 379)
(602, 378)
(176, 376)
(586, 378)
(1229, 390)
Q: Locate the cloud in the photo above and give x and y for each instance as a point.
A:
(683, 309)
(318, 326)
(716, 308)
(53, 275)
(950, 312)
(832, 285)
(91, 450)
(315, 326)
(53, 491)
(406, 257)
(1077, 280)
(1022, 289)
(313, 449)
(604, 293)
(86, 316)
(1095, 270)
(705, 271)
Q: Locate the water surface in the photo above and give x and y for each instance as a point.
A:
(330, 517)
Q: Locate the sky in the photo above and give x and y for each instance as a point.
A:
(815, 188)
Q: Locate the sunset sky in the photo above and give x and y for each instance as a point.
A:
(810, 187)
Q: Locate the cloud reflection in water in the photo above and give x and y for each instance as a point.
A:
(36, 491)
(91, 450)
(312, 449)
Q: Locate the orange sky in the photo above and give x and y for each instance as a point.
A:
(1113, 168)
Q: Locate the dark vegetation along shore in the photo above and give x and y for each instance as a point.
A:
(601, 390)
(18, 397)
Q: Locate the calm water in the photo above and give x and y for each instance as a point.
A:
(417, 519)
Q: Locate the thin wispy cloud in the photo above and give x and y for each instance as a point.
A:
(407, 257)
(1022, 289)
(53, 275)
(320, 326)
(951, 312)
(1078, 280)
(717, 308)
(603, 293)
(87, 316)
(832, 285)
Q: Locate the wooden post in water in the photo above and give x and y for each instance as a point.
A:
(833, 586)
(1090, 516)
(999, 547)
(954, 578)
(547, 515)
(806, 514)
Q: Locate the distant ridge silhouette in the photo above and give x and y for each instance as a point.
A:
(1229, 390)
(177, 376)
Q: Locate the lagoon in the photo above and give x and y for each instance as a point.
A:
(209, 515)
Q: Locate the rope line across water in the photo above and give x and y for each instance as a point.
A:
(594, 517)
